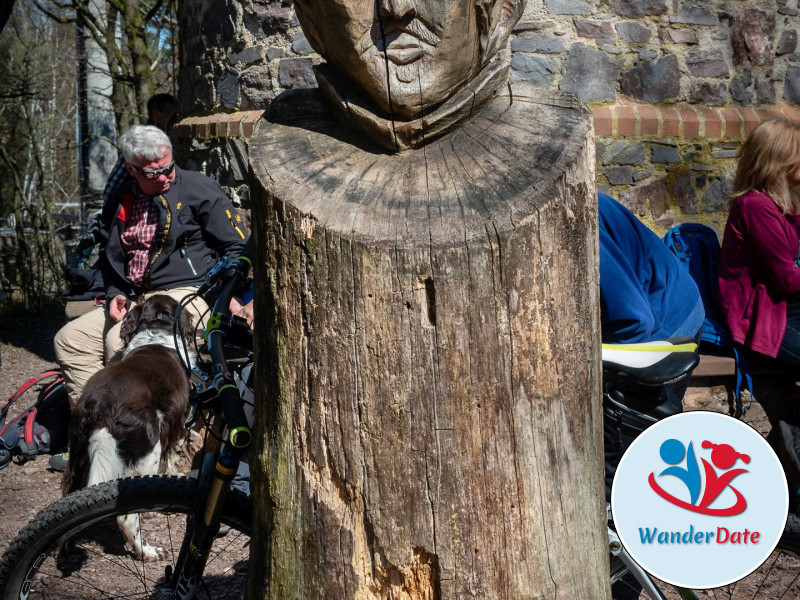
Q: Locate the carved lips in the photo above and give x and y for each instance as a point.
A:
(402, 48)
(404, 43)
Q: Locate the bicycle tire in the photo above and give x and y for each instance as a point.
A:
(97, 566)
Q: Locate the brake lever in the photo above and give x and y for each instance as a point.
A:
(213, 273)
(202, 388)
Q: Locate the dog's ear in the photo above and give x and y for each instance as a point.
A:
(186, 325)
(129, 324)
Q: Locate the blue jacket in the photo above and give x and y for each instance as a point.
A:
(645, 293)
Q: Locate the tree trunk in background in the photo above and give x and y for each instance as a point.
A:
(135, 33)
(428, 355)
(99, 129)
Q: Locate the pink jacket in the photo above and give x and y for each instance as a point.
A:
(758, 271)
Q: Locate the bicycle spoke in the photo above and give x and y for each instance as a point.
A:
(93, 564)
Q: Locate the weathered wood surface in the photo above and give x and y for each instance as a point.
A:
(402, 64)
(428, 361)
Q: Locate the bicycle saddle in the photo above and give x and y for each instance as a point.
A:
(652, 363)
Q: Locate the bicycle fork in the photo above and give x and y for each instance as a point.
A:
(203, 525)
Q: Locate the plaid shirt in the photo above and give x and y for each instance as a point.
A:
(137, 237)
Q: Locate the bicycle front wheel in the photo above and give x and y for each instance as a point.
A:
(74, 549)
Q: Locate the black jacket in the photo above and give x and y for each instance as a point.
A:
(197, 224)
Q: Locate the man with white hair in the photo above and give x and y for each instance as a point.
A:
(160, 234)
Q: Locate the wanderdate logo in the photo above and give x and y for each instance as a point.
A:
(699, 500)
(715, 477)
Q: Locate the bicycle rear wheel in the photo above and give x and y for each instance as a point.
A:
(73, 548)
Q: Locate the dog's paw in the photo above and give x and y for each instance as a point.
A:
(148, 553)
(154, 552)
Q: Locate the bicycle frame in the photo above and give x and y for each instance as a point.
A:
(616, 548)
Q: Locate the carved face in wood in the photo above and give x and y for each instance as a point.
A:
(407, 55)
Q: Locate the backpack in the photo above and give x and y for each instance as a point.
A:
(42, 427)
(85, 282)
(697, 248)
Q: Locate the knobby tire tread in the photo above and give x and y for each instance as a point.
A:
(88, 505)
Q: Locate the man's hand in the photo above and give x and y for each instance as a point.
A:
(246, 311)
(117, 308)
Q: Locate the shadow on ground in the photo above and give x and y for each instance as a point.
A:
(32, 331)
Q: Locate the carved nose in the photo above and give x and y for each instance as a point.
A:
(397, 8)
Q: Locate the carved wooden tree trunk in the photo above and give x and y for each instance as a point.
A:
(428, 361)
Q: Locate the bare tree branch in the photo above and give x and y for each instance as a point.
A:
(52, 15)
(14, 168)
(153, 11)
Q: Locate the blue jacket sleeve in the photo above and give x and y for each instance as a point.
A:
(626, 312)
(645, 293)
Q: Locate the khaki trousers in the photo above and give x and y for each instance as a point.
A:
(84, 345)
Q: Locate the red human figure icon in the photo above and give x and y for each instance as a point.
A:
(724, 457)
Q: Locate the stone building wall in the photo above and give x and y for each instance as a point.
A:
(675, 85)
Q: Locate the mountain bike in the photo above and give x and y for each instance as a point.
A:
(634, 381)
(73, 548)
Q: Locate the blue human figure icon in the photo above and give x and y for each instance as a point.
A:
(672, 452)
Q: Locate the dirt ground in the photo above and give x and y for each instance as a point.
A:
(27, 349)
(27, 488)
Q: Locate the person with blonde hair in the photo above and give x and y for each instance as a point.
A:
(759, 276)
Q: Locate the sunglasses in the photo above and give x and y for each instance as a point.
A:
(155, 173)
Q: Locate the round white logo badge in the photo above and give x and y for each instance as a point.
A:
(699, 500)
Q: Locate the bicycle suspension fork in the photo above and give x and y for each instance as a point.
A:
(204, 524)
(213, 488)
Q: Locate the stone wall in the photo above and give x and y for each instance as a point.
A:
(674, 85)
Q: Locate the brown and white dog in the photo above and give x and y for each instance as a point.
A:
(130, 418)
